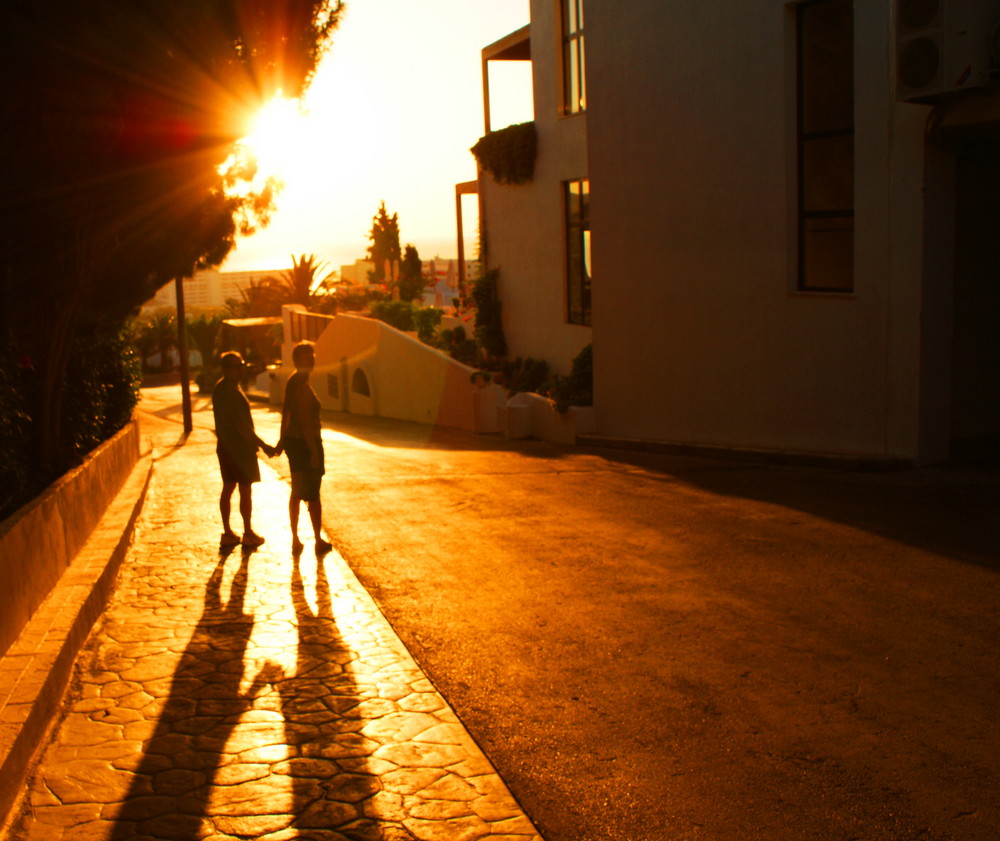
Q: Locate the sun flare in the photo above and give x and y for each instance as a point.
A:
(275, 133)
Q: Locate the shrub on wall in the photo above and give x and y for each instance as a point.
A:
(508, 155)
(523, 375)
(398, 314)
(427, 320)
(102, 387)
(489, 312)
(15, 438)
(578, 388)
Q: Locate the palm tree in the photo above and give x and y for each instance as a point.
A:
(300, 280)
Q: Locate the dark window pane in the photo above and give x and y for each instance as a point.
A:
(827, 65)
(578, 252)
(828, 254)
(828, 174)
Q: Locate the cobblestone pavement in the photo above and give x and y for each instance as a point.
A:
(247, 694)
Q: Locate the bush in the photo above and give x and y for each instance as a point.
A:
(508, 155)
(15, 430)
(578, 388)
(102, 387)
(489, 315)
(398, 314)
(459, 346)
(427, 320)
(524, 375)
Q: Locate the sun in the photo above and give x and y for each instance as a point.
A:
(276, 133)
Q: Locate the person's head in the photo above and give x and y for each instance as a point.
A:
(304, 356)
(232, 364)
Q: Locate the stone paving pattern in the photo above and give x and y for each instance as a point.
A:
(232, 694)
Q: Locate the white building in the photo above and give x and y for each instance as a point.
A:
(356, 274)
(794, 220)
(209, 288)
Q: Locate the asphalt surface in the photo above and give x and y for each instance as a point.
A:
(653, 647)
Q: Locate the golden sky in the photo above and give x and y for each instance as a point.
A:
(391, 114)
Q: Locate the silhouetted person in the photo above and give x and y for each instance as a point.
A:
(237, 449)
(301, 441)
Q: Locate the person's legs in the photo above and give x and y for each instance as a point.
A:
(294, 503)
(316, 518)
(246, 512)
(225, 507)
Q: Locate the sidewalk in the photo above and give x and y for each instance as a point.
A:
(247, 694)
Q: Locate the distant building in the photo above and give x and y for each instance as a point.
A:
(443, 281)
(209, 288)
(793, 215)
(357, 273)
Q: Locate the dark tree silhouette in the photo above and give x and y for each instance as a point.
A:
(411, 279)
(302, 278)
(120, 116)
(384, 237)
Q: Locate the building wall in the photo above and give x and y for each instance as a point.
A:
(209, 288)
(699, 336)
(524, 223)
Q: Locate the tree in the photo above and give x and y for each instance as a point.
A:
(126, 115)
(204, 333)
(384, 237)
(411, 279)
(301, 280)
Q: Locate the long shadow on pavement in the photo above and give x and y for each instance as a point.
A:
(328, 781)
(169, 796)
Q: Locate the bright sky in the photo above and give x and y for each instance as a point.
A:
(392, 112)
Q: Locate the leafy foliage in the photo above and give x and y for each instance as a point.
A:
(123, 120)
(302, 278)
(508, 155)
(489, 315)
(427, 320)
(102, 388)
(578, 388)
(14, 429)
(460, 346)
(411, 280)
(398, 314)
(523, 375)
(384, 238)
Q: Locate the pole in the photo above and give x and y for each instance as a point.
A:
(182, 350)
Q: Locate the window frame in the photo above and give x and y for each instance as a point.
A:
(809, 141)
(577, 245)
(574, 70)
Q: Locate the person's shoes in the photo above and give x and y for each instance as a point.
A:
(251, 539)
(229, 538)
(297, 547)
(322, 547)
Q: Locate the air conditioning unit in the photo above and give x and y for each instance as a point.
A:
(945, 47)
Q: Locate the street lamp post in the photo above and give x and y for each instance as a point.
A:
(182, 350)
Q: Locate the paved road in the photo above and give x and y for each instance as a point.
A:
(651, 647)
(248, 693)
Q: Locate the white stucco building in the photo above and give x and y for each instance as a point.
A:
(794, 221)
(210, 288)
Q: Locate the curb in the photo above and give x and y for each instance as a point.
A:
(36, 669)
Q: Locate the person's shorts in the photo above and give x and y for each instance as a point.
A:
(305, 479)
(240, 470)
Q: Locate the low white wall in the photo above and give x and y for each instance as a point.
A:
(39, 541)
(404, 378)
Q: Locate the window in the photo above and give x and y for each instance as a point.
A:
(826, 145)
(574, 75)
(578, 251)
